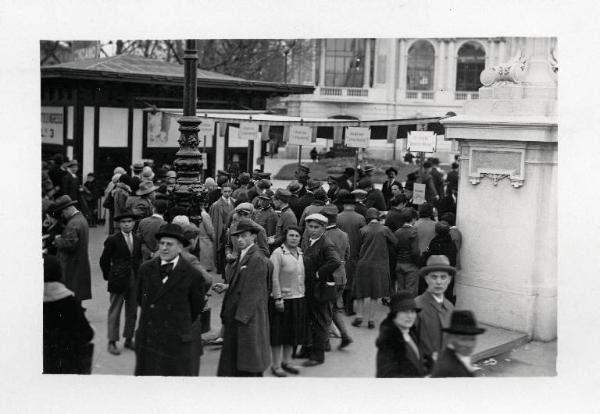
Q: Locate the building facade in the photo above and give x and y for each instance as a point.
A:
(396, 78)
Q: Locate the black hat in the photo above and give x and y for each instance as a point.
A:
(52, 269)
(462, 322)
(395, 171)
(364, 183)
(403, 301)
(126, 215)
(267, 195)
(348, 199)
(225, 173)
(313, 185)
(265, 175)
(246, 224)
(172, 230)
(60, 204)
(349, 171)
(303, 168)
(293, 186)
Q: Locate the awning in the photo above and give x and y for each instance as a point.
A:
(264, 118)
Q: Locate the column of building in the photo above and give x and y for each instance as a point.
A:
(367, 66)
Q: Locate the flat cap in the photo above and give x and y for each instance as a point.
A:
(319, 218)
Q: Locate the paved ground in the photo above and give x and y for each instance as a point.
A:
(358, 360)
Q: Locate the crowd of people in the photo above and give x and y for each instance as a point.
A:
(288, 262)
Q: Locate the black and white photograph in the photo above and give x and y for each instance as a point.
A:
(377, 207)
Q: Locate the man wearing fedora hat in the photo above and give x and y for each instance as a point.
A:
(141, 203)
(386, 190)
(246, 346)
(455, 359)
(72, 247)
(171, 295)
(436, 309)
(120, 260)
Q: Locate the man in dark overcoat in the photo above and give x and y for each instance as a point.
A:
(350, 222)
(72, 247)
(246, 348)
(120, 260)
(171, 294)
(320, 261)
(149, 226)
(455, 359)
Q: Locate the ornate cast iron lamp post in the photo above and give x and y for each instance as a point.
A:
(188, 193)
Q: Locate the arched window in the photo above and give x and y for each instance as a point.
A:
(420, 66)
(470, 64)
(344, 62)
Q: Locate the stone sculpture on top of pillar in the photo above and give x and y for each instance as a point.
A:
(507, 207)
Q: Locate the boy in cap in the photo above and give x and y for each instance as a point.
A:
(435, 308)
(120, 260)
(455, 359)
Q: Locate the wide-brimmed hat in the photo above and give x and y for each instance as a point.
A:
(319, 218)
(126, 215)
(138, 166)
(462, 322)
(60, 204)
(119, 170)
(70, 163)
(437, 262)
(313, 185)
(392, 169)
(246, 224)
(147, 174)
(172, 230)
(403, 300)
(146, 187)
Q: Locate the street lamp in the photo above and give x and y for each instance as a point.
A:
(188, 193)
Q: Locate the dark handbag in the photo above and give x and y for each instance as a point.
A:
(109, 202)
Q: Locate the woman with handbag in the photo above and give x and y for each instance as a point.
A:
(287, 305)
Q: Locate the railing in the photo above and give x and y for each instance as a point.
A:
(466, 96)
(351, 92)
(419, 95)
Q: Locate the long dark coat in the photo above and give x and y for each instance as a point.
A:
(245, 318)
(372, 279)
(72, 248)
(165, 336)
(351, 222)
(220, 212)
(70, 186)
(448, 365)
(376, 199)
(395, 358)
(322, 258)
(430, 321)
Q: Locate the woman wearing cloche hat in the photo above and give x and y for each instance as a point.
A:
(398, 355)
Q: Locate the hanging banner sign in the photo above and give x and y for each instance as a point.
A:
(300, 135)
(443, 145)
(248, 130)
(421, 141)
(52, 125)
(418, 194)
(357, 137)
(207, 128)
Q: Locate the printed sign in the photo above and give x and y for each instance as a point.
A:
(418, 193)
(52, 125)
(248, 130)
(207, 129)
(357, 137)
(300, 135)
(443, 145)
(421, 141)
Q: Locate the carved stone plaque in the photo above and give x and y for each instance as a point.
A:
(497, 165)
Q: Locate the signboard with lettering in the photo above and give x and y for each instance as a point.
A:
(300, 135)
(52, 125)
(357, 137)
(206, 129)
(418, 194)
(421, 141)
(248, 131)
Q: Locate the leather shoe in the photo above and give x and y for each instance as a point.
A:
(292, 369)
(112, 348)
(311, 363)
(345, 342)
(129, 344)
(278, 372)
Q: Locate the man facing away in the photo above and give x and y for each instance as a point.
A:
(119, 262)
(149, 226)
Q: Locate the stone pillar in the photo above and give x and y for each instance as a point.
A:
(507, 202)
(367, 74)
(451, 71)
(322, 64)
(402, 68)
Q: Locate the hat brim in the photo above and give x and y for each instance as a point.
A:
(428, 269)
(465, 330)
(125, 216)
(61, 207)
(179, 237)
(237, 232)
(140, 192)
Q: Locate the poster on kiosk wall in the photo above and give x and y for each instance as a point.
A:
(52, 125)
